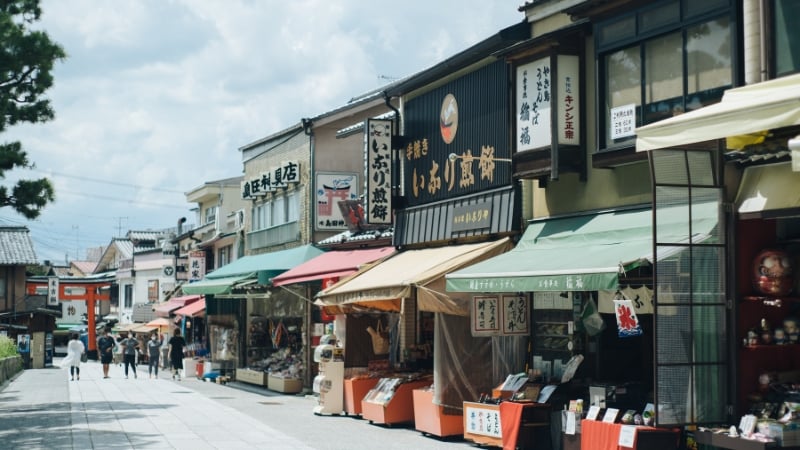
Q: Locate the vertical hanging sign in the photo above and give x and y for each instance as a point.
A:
(52, 291)
(197, 265)
(535, 102)
(379, 171)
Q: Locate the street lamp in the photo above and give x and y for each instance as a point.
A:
(453, 157)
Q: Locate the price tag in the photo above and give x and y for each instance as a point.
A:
(593, 412)
(627, 435)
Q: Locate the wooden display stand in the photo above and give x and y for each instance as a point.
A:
(597, 435)
(399, 409)
(251, 376)
(431, 419)
(488, 430)
(508, 425)
(354, 391)
(724, 441)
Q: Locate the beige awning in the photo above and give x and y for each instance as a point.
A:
(744, 110)
(382, 286)
(768, 191)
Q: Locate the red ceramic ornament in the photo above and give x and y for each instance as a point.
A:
(772, 273)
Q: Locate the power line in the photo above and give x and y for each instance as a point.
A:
(115, 183)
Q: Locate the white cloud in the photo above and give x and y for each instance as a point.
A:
(160, 94)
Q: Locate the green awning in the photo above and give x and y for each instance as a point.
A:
(216, 286)
(266, 265)
(585, 253)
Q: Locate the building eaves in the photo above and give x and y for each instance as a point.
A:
(16, 247)
(474, 54)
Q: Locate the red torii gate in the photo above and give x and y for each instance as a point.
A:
(81, 289)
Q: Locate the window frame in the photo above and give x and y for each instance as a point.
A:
(638, 38)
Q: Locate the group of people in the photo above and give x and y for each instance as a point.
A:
(106, 345)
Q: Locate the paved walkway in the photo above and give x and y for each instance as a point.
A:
(42, 409)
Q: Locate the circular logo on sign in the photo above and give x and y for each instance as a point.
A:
(448, 118)
(168, 270)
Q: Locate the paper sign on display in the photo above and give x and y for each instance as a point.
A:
(593, 412)
(627, 436)
(611, 415)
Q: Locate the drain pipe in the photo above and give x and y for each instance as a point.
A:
(396, 191)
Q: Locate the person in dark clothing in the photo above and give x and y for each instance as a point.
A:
(105, 345)
(129, 346)
(176, 344)
(154, 350)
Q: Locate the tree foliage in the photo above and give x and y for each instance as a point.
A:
(27, 57)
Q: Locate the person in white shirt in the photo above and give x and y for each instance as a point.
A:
(75, 350)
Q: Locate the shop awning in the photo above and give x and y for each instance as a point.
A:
(164, 309)
(216, 286)
(769, 191)
(144, 329)
(585, 253)
(161, 322)
(252, 269)
(196, 309)
(267, 265)
(744, 110)
(336, 263)
(382, 286)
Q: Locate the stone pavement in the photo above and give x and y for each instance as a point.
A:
(43, 409)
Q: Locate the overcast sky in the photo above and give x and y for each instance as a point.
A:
(157, 96)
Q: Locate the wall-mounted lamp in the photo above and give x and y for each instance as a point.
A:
(452, 157)
(794, 148)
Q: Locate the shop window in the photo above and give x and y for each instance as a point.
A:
(658, 62)
(786, 41)
(211, 215)
(128, 296)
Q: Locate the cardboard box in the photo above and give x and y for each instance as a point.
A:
(286, 385)
(251, 376)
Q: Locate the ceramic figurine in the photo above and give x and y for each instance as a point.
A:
(791, 329)
(772, 272)
(780, 336)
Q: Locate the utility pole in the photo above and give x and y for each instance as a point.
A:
(119, 225)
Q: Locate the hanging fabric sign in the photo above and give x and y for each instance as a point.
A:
(627, 322)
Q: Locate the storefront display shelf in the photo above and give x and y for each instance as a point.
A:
(399, 409)
(509, 424)
(733, 443)
(431, 419)
(596, 435)
(354, 391)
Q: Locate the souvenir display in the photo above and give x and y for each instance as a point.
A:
(772, 272)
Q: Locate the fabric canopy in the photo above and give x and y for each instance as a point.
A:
(143, 329)
(768, 191)
(337, 263)
(196, 309)
(164, 309)
(271, 264)
(748, 109)
(160, 322)
(585, 253)
(216, 286)
(383, 285)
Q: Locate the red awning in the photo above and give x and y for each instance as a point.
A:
(196, 309)
(336, 263)
(164, 309)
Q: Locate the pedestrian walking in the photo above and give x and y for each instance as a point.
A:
(129, 346)
(105, 345)
(75, 352)
(154, 352)
(175, 351)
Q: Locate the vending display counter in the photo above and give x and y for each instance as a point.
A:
(597, 435)
(508, 424)
(391, 401)
(431, 419)
(354, 391)
(719, 440)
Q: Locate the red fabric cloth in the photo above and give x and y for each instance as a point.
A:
(510, 415)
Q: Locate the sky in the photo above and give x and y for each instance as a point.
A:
(156, 97)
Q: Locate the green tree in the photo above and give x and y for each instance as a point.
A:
(27, 58)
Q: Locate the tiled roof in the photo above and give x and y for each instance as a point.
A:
(16, 246)
(86, 267)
